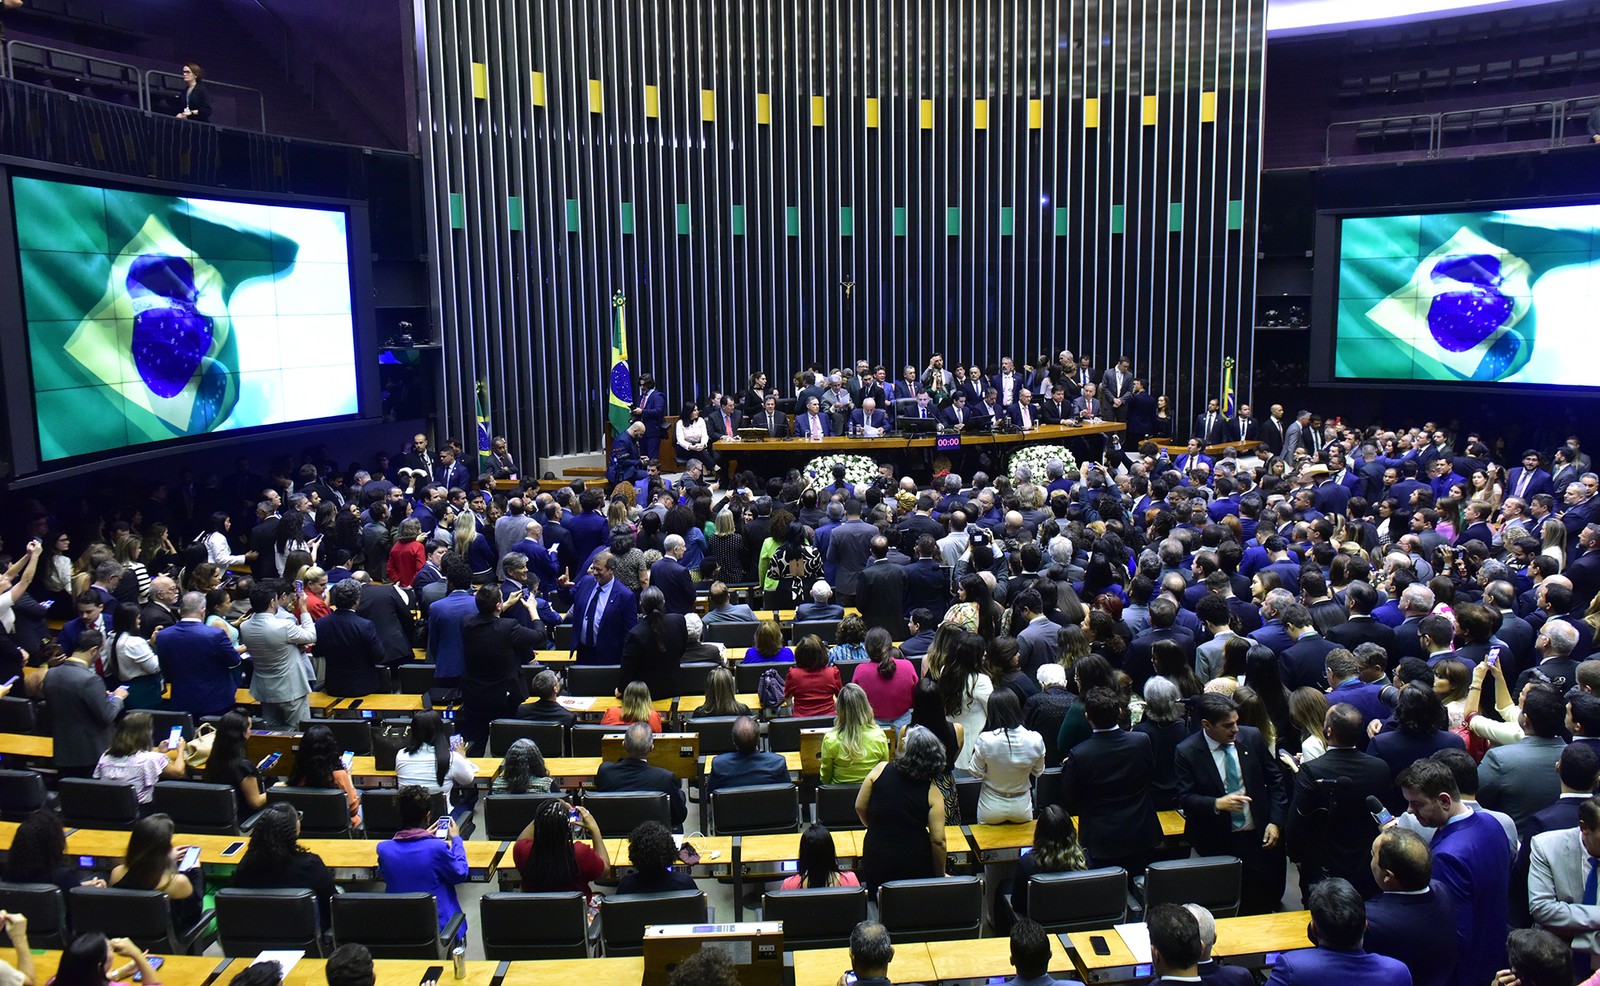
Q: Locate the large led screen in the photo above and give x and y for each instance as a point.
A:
(1493, 297)
(157, 317)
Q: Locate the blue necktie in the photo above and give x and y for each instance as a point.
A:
(588, 617)
(1591, 885)
(1232, 781)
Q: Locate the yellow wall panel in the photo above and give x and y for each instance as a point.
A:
(1091, 113)
(1035, 114)
(597, 97)
(1147, 114)
(819, 111)
(925, 114)
(480, 80)
(538, 89)
(1208, 107)
(763, 108)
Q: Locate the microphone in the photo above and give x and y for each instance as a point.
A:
(1380, 814)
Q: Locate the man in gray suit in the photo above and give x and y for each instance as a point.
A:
(274, 639)
(1520, 779)
(848, 548)
(81, 710)
(1559, 896)
(720, 609)
(1039, 641)
(1294, 436)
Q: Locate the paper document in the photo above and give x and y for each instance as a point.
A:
(286, 959)
(574, 703)
(1137, 938)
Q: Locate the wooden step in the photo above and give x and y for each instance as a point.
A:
(575, 472)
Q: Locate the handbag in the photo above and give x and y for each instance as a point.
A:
(198, 750)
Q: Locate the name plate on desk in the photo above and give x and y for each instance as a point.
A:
(947, 441)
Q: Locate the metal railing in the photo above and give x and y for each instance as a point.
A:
(1527, 126)
(151, 90)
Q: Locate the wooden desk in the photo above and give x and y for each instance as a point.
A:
(807, 446)
(178, 970)
(338, 854)
(811, 748)
(25, 745)
(998, 838)
(614, 971)
(983, 958)
(575, 769)
(676, 752)
(913, 963)
(1244, 940)
(387, 972)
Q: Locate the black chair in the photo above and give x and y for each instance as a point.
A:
(624, 917)
(517, 926)
(352, 735)
(692, 678)
(250, 921)
(415, 679)
(17, 715)
(1079, 901)
(618, 813)
(836, 806)
(733, 634)
(940, 909)
(21, 794)
(549, 737)
(585, 737)
(760, 809)
(1047, 787)
(144, 916)
(163, 721)
(563, 637)
(716, 733)
(201, 809)
(593, 679)
(1213, 882)
(816, 918)
(388, 740)
(847, 669)
(45, 907)
(324, 812)
(394, 926)
(783, 734)
(747, 677)
(826, 630)
(380, 811)
(967, 791)
(92, 804)
(506, 815)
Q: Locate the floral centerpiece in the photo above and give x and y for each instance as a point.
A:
(1035, 457)
(859, 470)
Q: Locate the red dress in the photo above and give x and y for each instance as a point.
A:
(812, 691)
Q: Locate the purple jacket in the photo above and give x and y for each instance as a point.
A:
(416, 860)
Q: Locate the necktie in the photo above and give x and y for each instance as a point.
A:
(816, 427)
(1522, 491)
(1209, 419)
(727, 425)
(922, 412)
(1591, 884)
(959, 418)
(1232, 781)
(588, 617)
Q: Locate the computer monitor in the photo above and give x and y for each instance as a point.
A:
(981, 422)
(917, 426)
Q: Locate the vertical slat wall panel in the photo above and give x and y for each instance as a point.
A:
(719, 163)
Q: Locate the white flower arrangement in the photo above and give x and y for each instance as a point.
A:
(1035, 457)
(859, 470)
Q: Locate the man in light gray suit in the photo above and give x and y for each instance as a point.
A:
(274, 638)
(1295, 435)
(1559, 876)
(848, 548)
(1520, 778)
(1039, 642)
(720, 610)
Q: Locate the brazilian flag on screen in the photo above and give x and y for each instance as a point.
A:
(1503, 296)
(619, 402)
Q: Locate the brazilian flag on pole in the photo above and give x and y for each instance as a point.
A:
(619, 406)
(485, 440)
(1228, 400)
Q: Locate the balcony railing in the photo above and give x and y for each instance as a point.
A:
(1505, 128)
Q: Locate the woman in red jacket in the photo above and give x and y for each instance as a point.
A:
(812, 682)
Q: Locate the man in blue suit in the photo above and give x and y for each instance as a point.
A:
(449, 473)
(1527, 480)
(745, 766)
(1192, 457)
(445, 619)
(625, 465)
(198, 661)
(1403, 921)
(867, 416)
(603, 611)
(1338, 923)
(1024, 413)
(813, 423)
(652, 411)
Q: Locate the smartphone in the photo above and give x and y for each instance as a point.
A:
(355, 703)
(1098, 943)
(850, 978)
(442, 828)
(1493, 660)
(11, 681)
(458, 742)
(175, 740)
(346, 758)
(431, 975)
(86, 862)
(299, 585)
(190, 858)
(267, 761)
(155, 961)
(574, 817)
(233, 849)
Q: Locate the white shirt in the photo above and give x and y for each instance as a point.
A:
(692, 436)
(979, 688)
(419, 768)
(1219, 756)
(1007, 761)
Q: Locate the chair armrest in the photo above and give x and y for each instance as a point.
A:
(451, 932)
(199, 933)
(245, 825)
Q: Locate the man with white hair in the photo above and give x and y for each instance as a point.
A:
(821, 606)
(1416, 602)
(868, 421)
(672, 578)
(1213, 973)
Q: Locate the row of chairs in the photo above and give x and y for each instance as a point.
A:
(1531, 74)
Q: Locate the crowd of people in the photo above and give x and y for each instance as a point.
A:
(1288, 642)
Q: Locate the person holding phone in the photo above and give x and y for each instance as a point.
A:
(551, 860)
(22, 974)
(132, 760)
(151, 863)
(417, 860)
(275, 859)
(229, 765)
(91, 960)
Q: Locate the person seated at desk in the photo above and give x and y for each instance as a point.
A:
(276, 860)
(871, 951)
(1024, 413)
(318, 764)
(634, 772)
(229, 765)
(813, 682)
(867, 421)
(856, 744)
(1338, 924)
(550, 860)
(417, 860)
(546, 687)
(635, 707)
(1055, 850)
(769, 646)
(431, 760)
(1174, 944)
(813, 423)
(351, 965)
(817, 863)
(652, 853)
(956, 416)
(91, 960)
(746, 766)
(720, 607)
(523, 770)
(151, 864)
(1030, 956)
(1212, 972)
(132, 761)
(721, 697)
(697, 650)
(821, 606)
(38, 854)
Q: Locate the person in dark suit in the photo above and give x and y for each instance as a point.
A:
(652, 413)
(626, 463)
(1338, 925)
(389, 610)
(1212, 972)
(1024, 413)
(1057, 409)
(544, 707)
(1305, 662)
(868, 415)
(1529, 480)
(197, 661)
(746, 766)
(603, 611)
(263, 542)
(1175, 947)
(196, 94)
(1006, 384)
(81, 710)
(812, 423)
(1106, 781)
(1141, 414)
(881, 591)
(652, 652)
(349, 645)
(449, 473)
(1403, 921)
(1213, 427)
(776, 424)
(1233, 799)
(675, 582)
(1137, 660)
(1116, 386)
(927, 586)
(974, 387)
(496, 647)
(1361, 628)
(724, 423)
(1330, 830)
(635, 773)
